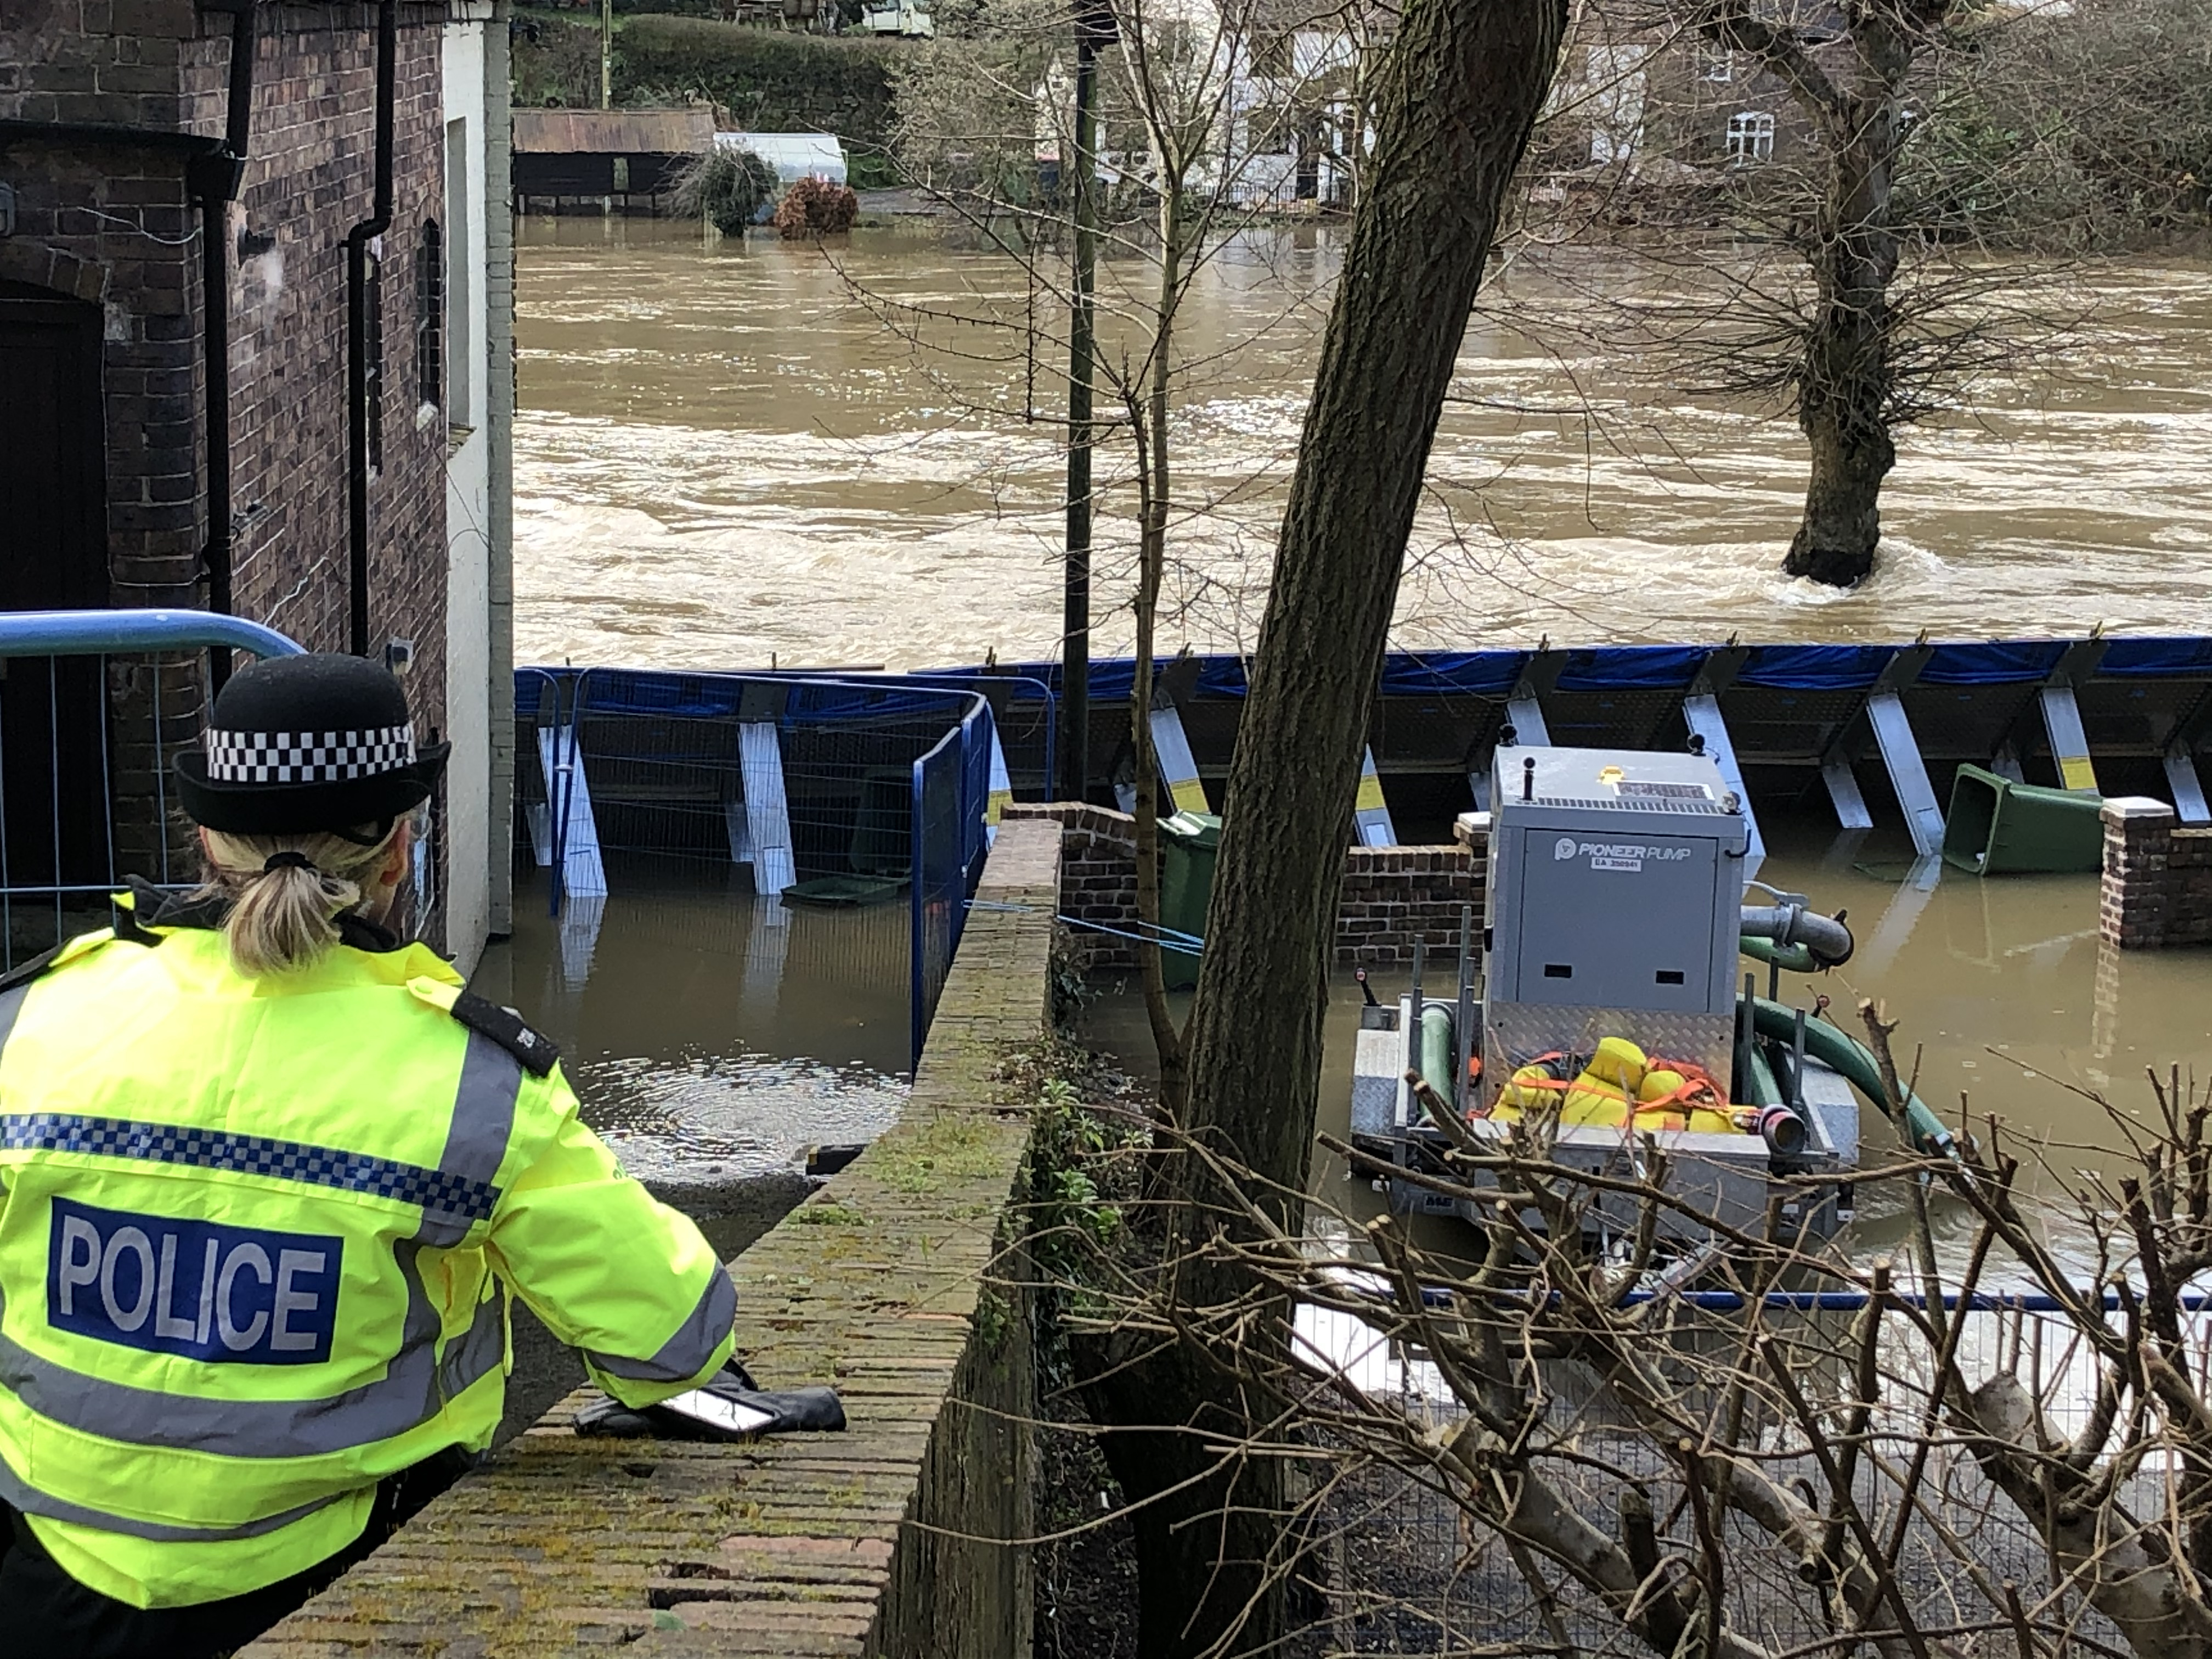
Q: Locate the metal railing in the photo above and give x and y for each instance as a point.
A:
(880, 782)
(950, 838)
(94, 706)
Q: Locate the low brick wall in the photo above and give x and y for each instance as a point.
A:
(1391, 896)
(878, 1541)
(2158, 876)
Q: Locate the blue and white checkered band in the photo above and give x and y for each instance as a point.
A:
(308, 756)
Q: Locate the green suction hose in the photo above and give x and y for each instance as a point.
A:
(1437, 1049)
(1847, 1056)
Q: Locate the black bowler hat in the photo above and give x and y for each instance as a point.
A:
(299, 746)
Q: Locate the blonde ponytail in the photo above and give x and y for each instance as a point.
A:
(286, 893)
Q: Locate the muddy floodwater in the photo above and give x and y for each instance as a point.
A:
(713, 1036)
(733, 451)
(725, 457)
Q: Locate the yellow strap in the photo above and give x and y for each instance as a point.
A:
(1189, 795)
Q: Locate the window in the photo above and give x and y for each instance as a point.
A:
(1271, 132)
(430, 317)
(1714, 63)
(1750, 137)
(462, 239)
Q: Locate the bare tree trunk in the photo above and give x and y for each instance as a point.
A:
(1843, 404)
(1843, 392)
(1456, 102)
(1845, 383)
(1150, 424)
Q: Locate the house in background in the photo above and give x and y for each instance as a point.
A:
(1666, 107)
(588, 160)
(1278, 89)
(232, 383)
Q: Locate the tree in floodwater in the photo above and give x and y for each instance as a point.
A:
(1851, 87)
(1824, 210)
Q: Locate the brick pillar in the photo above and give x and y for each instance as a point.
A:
(2131, 912)
(2104, 1009)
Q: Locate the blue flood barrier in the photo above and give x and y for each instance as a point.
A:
(1668, 666)
(1633, 668)
(2165, 658)
(664, 754)
(1672, 667)
(1993, 662)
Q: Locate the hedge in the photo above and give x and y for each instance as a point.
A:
(768, 80)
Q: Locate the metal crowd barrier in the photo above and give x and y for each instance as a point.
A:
(93, 706)
(843, 789)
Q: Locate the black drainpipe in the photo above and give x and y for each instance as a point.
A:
(215, 180)
(357, 240)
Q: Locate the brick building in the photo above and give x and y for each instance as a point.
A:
(323, 447)
(1645, 94)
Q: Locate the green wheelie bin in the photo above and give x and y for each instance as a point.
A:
(1189, 842)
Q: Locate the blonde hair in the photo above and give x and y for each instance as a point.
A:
(285, 918)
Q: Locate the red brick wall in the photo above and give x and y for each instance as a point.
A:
(1394, 896)
(110, 223)
(309, 182)
(1391, 896)
(2157, 885)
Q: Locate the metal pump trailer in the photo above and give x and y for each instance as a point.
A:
(1615, 911)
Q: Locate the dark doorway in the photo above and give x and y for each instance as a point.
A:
(53, 556)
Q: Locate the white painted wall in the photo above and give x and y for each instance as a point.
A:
(471, 810)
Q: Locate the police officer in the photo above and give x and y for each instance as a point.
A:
(268, 1178)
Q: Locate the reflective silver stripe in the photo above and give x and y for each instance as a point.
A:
(685, 1354)
(11, 1004)
(32, 1501)
(478, 1352)
(484, 1112)
(414, 1388)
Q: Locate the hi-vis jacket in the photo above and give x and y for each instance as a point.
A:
(256, 1243)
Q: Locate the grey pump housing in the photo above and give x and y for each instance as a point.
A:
(1615, 888)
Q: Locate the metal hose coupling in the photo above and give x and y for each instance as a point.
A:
(1792, 922)
(1782, 1130)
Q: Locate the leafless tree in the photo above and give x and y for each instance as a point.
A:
(1207, 127)
(1852, 214)
(1770, 1447)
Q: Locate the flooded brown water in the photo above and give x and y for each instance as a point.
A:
(724, 455)
(713, 1036)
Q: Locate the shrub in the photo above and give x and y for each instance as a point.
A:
(727, 187)
(815, 207)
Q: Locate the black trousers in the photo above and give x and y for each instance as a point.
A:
(46, 1615)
